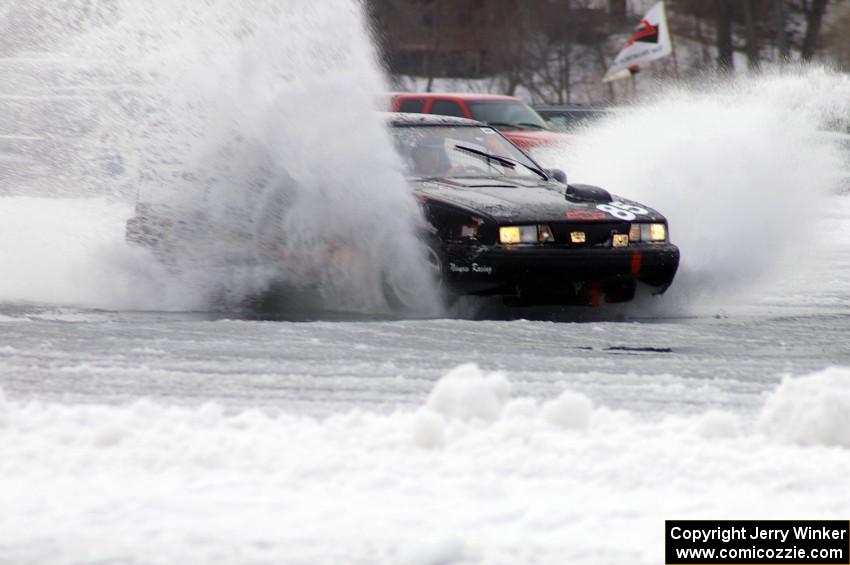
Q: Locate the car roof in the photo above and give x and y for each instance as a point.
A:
(574, 108)
(402, 119)
(456, 95)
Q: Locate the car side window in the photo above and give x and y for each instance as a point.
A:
(557, 122)
(412, 105)
(447, 108)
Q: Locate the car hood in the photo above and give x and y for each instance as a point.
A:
(509, 201)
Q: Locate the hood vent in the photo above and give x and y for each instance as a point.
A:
(587, 193)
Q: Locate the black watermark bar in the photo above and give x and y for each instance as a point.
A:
(757, 542)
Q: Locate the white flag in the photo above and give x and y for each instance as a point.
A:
(650, 41)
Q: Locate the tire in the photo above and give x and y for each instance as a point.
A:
(405, 295)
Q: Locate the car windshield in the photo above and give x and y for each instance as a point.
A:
(460, 151)
(570, 120)
(506, 114)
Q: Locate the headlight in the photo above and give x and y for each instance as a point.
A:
(648, 232)
(657, 232)
(525, 234)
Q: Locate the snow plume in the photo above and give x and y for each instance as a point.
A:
(741, 169)
(71, 251)
(542, 482)
(251, 129)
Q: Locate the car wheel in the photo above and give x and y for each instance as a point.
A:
(405, 292)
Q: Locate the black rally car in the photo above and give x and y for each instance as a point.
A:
(499, 224)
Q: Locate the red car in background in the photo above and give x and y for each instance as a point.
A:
(515, 119)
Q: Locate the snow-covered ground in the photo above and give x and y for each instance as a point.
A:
(175, 441)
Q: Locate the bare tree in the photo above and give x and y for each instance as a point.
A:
(781, 23)
(557, 50)
(814, 10)
(617, 10)
(837, 41)
(725, 52)
(753, 54)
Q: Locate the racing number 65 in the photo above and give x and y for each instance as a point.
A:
(622, 210)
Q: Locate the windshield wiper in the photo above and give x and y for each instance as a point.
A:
(531, 125)
(498, 158)
(506, 161)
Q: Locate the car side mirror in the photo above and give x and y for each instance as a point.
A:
(558, 175)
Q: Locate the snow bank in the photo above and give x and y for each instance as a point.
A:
(502, 480)
(570, 410)
(468, 393)
(813, 410)
(716, 425)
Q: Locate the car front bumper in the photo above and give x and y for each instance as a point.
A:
(550, 274)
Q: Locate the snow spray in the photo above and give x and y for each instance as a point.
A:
(239, 119)
(743, 170)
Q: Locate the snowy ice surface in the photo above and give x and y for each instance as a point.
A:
(152, 437)
(510, 481)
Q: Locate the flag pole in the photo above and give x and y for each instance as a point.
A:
(672, 45)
